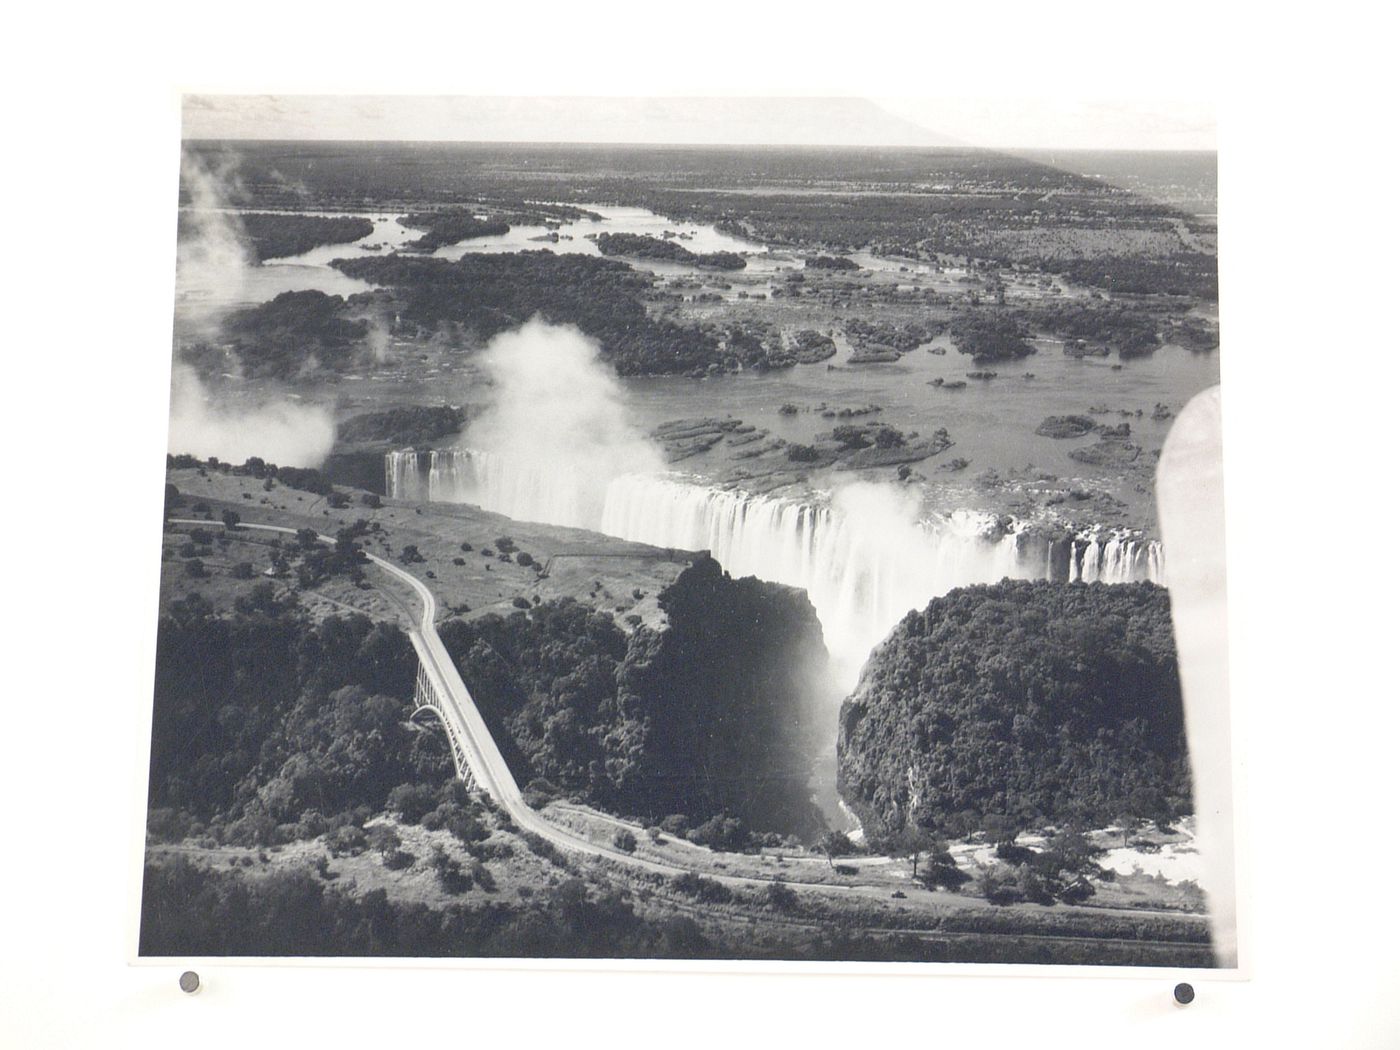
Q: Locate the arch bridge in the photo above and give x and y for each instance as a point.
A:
(430, 696)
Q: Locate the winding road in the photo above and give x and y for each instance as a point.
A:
(484, 758)
(488, 767)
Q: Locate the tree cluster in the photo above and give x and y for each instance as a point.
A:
(639, 246)
(294, 332)
(991, 337)
(405, 425)
(488, 294)
(1033, 701)
(449, 226)
(278, 235)
(706, 718)
(268, 727)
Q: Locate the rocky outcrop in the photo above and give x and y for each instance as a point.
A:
(1066, 426)
(1108, 452)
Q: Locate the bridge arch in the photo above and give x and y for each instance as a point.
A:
(426, 697)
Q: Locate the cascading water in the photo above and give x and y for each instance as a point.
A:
(864, 558)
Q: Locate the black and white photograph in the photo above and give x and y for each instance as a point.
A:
(720, 524)
(772, 529)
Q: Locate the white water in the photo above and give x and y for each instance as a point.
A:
(863, 554)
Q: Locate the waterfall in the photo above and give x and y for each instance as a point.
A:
(863, 560)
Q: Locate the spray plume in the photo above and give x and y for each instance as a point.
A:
(555, 404)
(280, 432)
(211, 260)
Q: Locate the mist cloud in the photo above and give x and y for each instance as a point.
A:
(280, 432)
(211, 261)
(555, 403)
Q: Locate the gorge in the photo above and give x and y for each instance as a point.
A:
(863, 553)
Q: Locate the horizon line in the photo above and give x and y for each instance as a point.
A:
(618, 144)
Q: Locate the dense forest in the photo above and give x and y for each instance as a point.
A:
(991, 338)
(268, 727)
(277, 235)
(1181, 273)
(488, 294)
(1022, 702)
(1130, 330)
(642, 247)
(707, 716)
(449, 226)
(406, 425)
(291, 334)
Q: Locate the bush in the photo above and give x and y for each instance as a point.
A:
(709, 891)
(371, 500)
(780, 896)
(997, 884)
(943, 876)
(521, 558)
(1035, 887)
(625, 840)
(677, 824)
(450, 875)
(169, 825)
(455, 819)
(398, 859)
(835, 844)
(544, 849)
(721, 832)
(1014, 854)
(243, 571)
(383, 838)
(520, 603)
(347, 840)
(412, 802)
(481, 874)
(1077, 892)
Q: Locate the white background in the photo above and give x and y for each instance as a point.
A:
(1307, 206)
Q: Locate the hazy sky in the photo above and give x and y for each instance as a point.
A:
(1005, 123)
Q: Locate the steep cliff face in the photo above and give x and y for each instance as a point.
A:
(1034, 701)
(714, 713)
(732, 691)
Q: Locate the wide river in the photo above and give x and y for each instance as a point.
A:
(992, 422)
